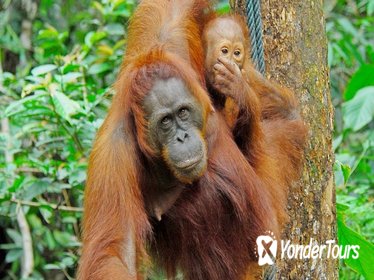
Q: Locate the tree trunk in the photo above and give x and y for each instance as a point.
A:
(296, 57)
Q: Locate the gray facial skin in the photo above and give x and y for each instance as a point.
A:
(175, 121)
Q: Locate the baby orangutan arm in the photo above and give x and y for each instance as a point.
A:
(230, 81)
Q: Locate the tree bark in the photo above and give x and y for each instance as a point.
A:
(296, 56)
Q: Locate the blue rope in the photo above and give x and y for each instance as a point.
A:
(254, 23)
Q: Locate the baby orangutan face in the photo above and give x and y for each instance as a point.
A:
(223, 38)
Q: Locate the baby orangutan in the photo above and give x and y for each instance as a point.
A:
(226, 58)
(253, 108)
(236, 87)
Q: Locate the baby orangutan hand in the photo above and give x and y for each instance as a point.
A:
(229, 80)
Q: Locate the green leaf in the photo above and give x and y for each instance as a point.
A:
(65, 106)
(43, 69)
(330, 54)
(341, 207)
(17, 106)
(370, 8)
(114, 29)
(105, 50)
(98, 6)
(364, 263)
(362, 78)
(69, 77)
(346, 170)
(69, 220)
(337, 141)
(70, 68)
(17, 184)
(67, 261)
(93, 37)
(36, 188)
(99, 68)
(32, 88)
(52, 267)
(63, 238)
(121, 11)
(13, 255)
(34, 221)
(223, 8)
(47, 213)
(359, 111)
(119, 44)
(347, 25)
(48, 34)
(14, 235)
(51, 243)
(10, 246)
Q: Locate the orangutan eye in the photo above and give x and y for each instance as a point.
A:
(224, 50)
(166, 120)
(183, 113)
(236, 53)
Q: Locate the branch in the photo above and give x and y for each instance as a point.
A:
(53, 206)
(23, 170)
(28, 257)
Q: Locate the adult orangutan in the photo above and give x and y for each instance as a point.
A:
(166, 176)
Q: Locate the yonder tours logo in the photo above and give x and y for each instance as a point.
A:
(267, 247)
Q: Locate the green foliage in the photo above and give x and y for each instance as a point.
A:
(347, 237)
(55, 94)
(359, 111)
(223, 8)
(362, 78)
(350, 27)
(53, 103)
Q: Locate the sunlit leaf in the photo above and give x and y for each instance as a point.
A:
(359, 111)
(13, 255)
(119, 44)
(17, 106)
(49, 33)
(69, 220)
(330, 54)
(63, 238)
(223, 8)
(341, 207)
(364, 263)
(362, 78)
(14, 235)
(98, 7)
(51, 243)
(99, 68)
(67, 261)
(34, 189)
(105, 50)
(43, 69)
(370, 7)
(346, 170)
(70, 68)
(93, 37)
(122, 11)
(69, 77)
(347, 25)
(337, 141)
(47, 213)
(65, 106)
(115, 29)
(51, 266)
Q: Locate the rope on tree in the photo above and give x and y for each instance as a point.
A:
(254, 23)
